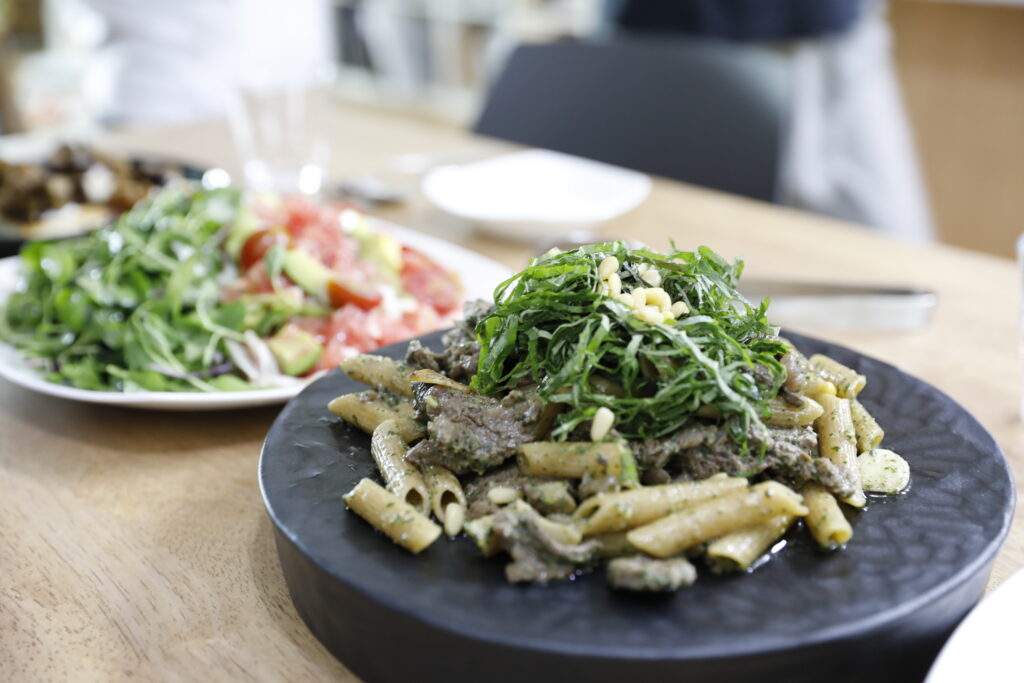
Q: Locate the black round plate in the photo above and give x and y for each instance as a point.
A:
(879, 610)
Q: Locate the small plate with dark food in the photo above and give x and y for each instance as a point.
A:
(73, 190)
(634, 477)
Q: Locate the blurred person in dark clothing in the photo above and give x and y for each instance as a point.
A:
(849, 151)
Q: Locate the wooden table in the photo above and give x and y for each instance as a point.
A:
(135, 544)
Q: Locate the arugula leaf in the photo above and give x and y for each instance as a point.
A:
(134, 305)
(552, 326)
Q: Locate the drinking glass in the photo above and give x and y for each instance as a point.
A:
(279, 129)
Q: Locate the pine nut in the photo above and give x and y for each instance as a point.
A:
(656, 296)
(651, 277)
(602, 424)
(626, 298)
(650, 314)
(614, 283)
(680, 308)
(639, 298)
(502, 495)
(608, 266)
(454, 517)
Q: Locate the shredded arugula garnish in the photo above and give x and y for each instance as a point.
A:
(552, 326)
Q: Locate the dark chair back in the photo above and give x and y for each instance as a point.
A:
(708, 113)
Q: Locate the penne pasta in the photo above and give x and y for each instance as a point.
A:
(444, 489)
(783, 414)
(572, 460)
(563, 533)
(400, 476)
(801, 377)
(614, 544)
(608, 512)
(824, 519)
(401, 522)
(367, 409)
(434, 377)
(869, 434)
(380, 373)
(848, 383)
(716, 517)
(740, 549)
(837, 441)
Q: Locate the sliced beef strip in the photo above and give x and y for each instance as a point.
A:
(702, 450)
(535, 555)
(642, 573)
(461, 354)
(790, 455)
(467, 432)
(655, 453)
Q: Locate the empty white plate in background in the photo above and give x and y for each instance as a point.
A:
(530, 194)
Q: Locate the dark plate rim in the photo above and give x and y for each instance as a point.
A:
(840, 632)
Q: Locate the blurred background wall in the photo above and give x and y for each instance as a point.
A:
(960, 65)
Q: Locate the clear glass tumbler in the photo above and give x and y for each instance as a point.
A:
(279, 129)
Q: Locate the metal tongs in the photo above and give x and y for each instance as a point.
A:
(842, 306)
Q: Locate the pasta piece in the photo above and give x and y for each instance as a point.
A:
(444, 488)
(572, 460)
(607, 512)
(366, 410)
(433, 377)
(869, 434)
(716, 517)
(847, 381)
(614, 544)
(400, 476)
(785, 415)
(883, 471)
(837, 441)
(551, 496)
(401, 522)
(740, 549)
(563, 533)
(801, 377)
(824, 519)
(380, 373)
(481, 530)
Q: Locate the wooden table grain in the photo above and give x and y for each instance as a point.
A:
(134, 544)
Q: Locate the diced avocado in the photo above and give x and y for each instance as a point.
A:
(382, 249)
(307, 272)
(296, 350)
(244, 225)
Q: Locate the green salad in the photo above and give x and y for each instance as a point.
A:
(658, 338)
(136, 305)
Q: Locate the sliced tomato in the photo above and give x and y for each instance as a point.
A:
(258, 244)
(342, 291)
(429, 282)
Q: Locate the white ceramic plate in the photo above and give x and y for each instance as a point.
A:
(984, 646)
(479, 276)
(532, 193)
